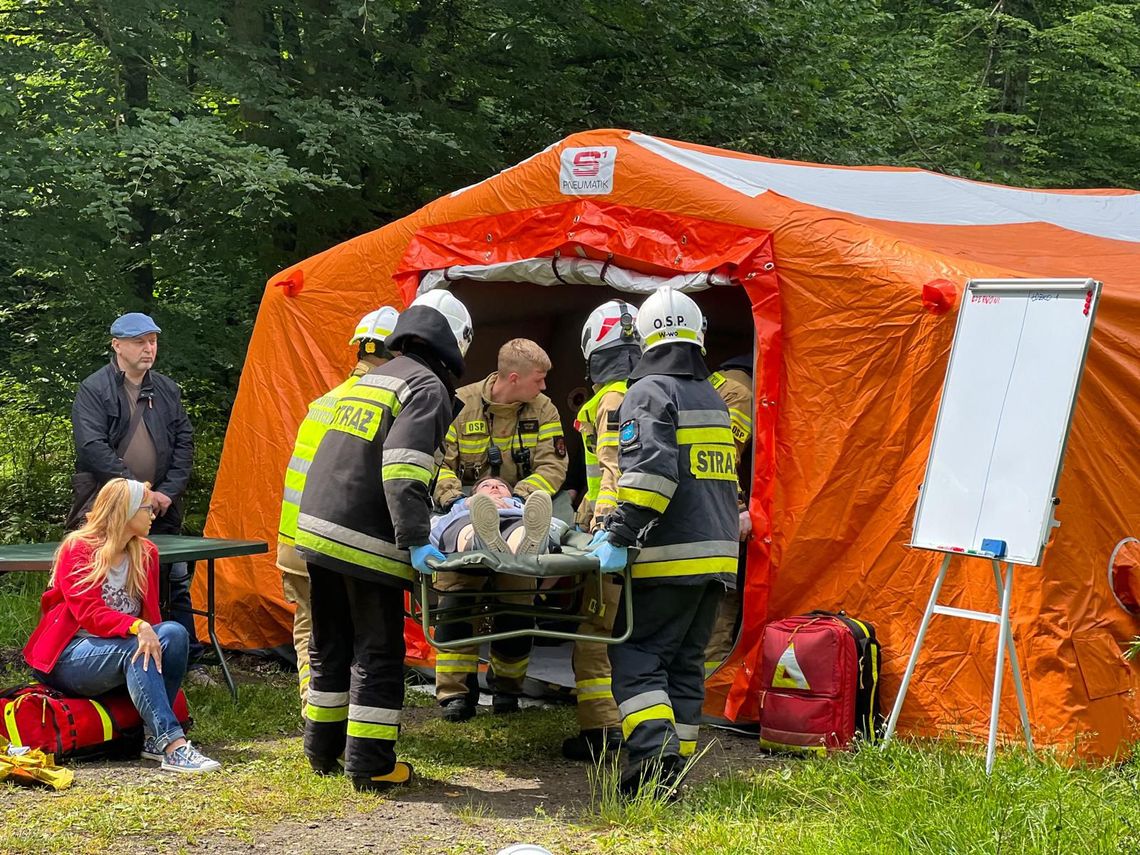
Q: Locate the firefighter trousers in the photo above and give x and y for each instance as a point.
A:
(724, 631)
(296, 588)
(356, 662)
(659, 673)
(591, 661)
(457, 671)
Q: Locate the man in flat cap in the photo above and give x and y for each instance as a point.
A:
(128, 422)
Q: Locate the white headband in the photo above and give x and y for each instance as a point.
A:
(137, 490)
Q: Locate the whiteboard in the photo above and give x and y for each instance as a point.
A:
(999, 439)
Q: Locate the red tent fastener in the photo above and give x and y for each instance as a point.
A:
(292, 284)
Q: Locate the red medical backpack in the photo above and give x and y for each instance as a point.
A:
(40, 717)
(819, 683)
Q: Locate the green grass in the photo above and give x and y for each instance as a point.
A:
(19, 607)
(925, 798)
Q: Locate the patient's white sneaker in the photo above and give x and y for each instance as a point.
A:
(485, 521)
(537, 511)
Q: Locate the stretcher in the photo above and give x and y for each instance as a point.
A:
(486, 603)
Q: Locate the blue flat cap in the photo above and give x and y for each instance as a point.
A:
(133, 324)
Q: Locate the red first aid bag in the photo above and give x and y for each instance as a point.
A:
(39, 716)
(819, 683)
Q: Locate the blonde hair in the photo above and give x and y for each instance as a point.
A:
(102, 532)
(521, 355)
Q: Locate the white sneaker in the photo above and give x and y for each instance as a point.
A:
(537, 512)
(485, 521)
(187, 758)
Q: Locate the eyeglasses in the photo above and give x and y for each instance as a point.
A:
(147, 508)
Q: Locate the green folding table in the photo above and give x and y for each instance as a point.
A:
(171, 549)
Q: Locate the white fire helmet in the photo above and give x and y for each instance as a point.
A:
(376, 325)
(458, 318)
(668, 315)
(609, 325)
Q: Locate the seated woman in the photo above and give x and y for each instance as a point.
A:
(100, 628)
(492, 519)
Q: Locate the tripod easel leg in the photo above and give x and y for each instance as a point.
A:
(897, 709)
(1014, 664)
(999, 667)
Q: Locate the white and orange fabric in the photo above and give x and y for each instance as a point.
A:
(853, 275)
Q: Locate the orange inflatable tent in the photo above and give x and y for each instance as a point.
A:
(844, 283)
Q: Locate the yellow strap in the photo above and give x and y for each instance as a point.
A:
(106, 719)
(10, 723)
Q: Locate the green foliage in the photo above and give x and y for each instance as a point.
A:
(169, 157)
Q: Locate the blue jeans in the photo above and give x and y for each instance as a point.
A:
(89, 667)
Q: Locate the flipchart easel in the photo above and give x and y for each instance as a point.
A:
(999, 441)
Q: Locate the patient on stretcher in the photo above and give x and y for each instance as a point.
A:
(492, 519)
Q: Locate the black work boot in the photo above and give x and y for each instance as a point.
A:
(658, 778)
(458, 709)
(591, 744)
(504, 704)
(402, 773)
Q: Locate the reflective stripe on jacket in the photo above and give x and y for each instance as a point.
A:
(366, 498)
(677, 490)
(597, 422)
(532, 425)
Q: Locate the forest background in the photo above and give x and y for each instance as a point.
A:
(168, 157)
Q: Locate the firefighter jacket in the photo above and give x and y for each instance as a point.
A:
(530, 431)
(677, 490)
(367, 498)
(309, 434)
(735, 388)
(598, 423)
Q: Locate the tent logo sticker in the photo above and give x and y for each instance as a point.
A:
(587, 171)
(789, 674)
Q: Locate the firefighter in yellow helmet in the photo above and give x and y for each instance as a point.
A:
(677, 505)
(369, 338)
(733, 382)
(509, 429)
(611, 347)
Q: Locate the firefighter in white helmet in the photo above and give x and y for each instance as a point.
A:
(677, 505)
(610, 344)
(365, 523)
(369, 338)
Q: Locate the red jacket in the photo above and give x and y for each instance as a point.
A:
(67, 606)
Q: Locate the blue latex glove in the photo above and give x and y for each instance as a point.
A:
(611, 558)
(599, 536)
(421, 554)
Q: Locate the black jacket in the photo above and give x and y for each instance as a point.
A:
(99, 420)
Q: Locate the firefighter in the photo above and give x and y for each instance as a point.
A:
(677, 505)
(364, 525)
(733, 382)
(509, 429)
(610, 346)
(369, 338)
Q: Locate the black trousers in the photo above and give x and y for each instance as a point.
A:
(356, 662)
(658, 677)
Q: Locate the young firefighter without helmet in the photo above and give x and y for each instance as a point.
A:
(669, 316)
(677, 503)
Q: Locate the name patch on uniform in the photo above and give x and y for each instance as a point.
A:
(716, 462)
(629, 433)
(739, 433)
(358, 419)
(476, 426)
(528, 425)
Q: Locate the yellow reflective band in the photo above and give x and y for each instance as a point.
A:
(105, 719)
(10, 724)
(405, 471)
(326, 714)
(594, 690)
(358, 418)
(509, 669)
(476, 446)
(550, 430)
(445, 473)
(644, 498)
(716, 435)
(451, 434)
(684, 567)
(350, 554)
(367, 730)
(655, 337)
(608, 439)
(688, 747)
(538, 481)
(713, 462)
(657, 712)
